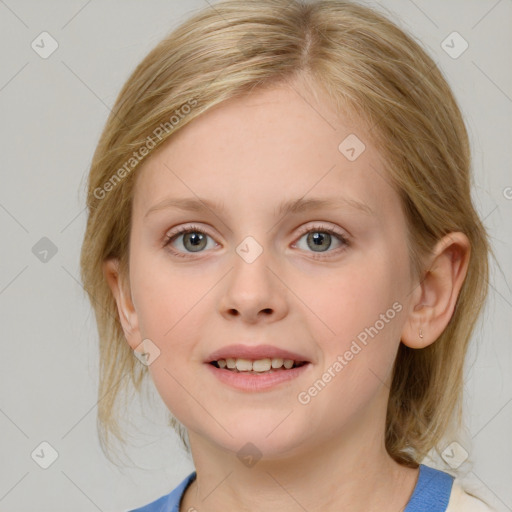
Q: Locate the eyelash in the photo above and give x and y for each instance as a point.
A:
(318, 228)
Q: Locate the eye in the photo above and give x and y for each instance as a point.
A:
(319, 239)
(194, 239)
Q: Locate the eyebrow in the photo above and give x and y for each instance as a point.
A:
(195, 204)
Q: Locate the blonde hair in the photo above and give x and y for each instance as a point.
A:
(369, 68)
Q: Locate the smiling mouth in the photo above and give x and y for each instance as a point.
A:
(260, 366)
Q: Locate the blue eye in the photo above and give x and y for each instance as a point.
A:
(319, 240)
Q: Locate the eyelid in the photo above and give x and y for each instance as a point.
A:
(321, 226)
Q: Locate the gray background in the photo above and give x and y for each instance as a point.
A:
(53, 111)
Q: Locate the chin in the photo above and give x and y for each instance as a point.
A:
(260, 439)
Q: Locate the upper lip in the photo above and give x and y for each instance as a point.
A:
(254, 352)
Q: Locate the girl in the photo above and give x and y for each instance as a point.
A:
(281, 230)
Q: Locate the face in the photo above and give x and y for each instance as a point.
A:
(328, 282)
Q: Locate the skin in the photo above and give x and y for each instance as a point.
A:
(251, 154)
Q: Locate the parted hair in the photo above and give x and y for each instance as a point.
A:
(368, 68)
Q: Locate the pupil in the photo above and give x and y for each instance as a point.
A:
(195, 239)
(318, 238)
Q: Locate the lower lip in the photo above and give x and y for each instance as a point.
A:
(255, 382)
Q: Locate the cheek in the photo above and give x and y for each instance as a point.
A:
(361, 308)
(169, 319)
(170, 304)
(164, 293)
(352, 297)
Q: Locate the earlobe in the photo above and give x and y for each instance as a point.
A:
(435, 296)
(122, 296)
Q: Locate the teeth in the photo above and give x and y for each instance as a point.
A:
(277, 362)
(260, 365)
(243, 365)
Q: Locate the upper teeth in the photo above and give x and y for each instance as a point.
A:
(260, 365)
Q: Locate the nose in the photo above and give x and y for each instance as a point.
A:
(253, 291)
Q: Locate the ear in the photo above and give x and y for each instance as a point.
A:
(125, 308)
(435, 296)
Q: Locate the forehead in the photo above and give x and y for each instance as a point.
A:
(281, 142)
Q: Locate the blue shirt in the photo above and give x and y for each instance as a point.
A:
(431, 493)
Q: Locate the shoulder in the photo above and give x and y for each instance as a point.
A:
(439, 491)
(461, 500)
(169, 502)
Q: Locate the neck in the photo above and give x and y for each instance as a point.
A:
(337, 474)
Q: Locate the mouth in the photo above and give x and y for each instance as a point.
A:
(258, 366)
